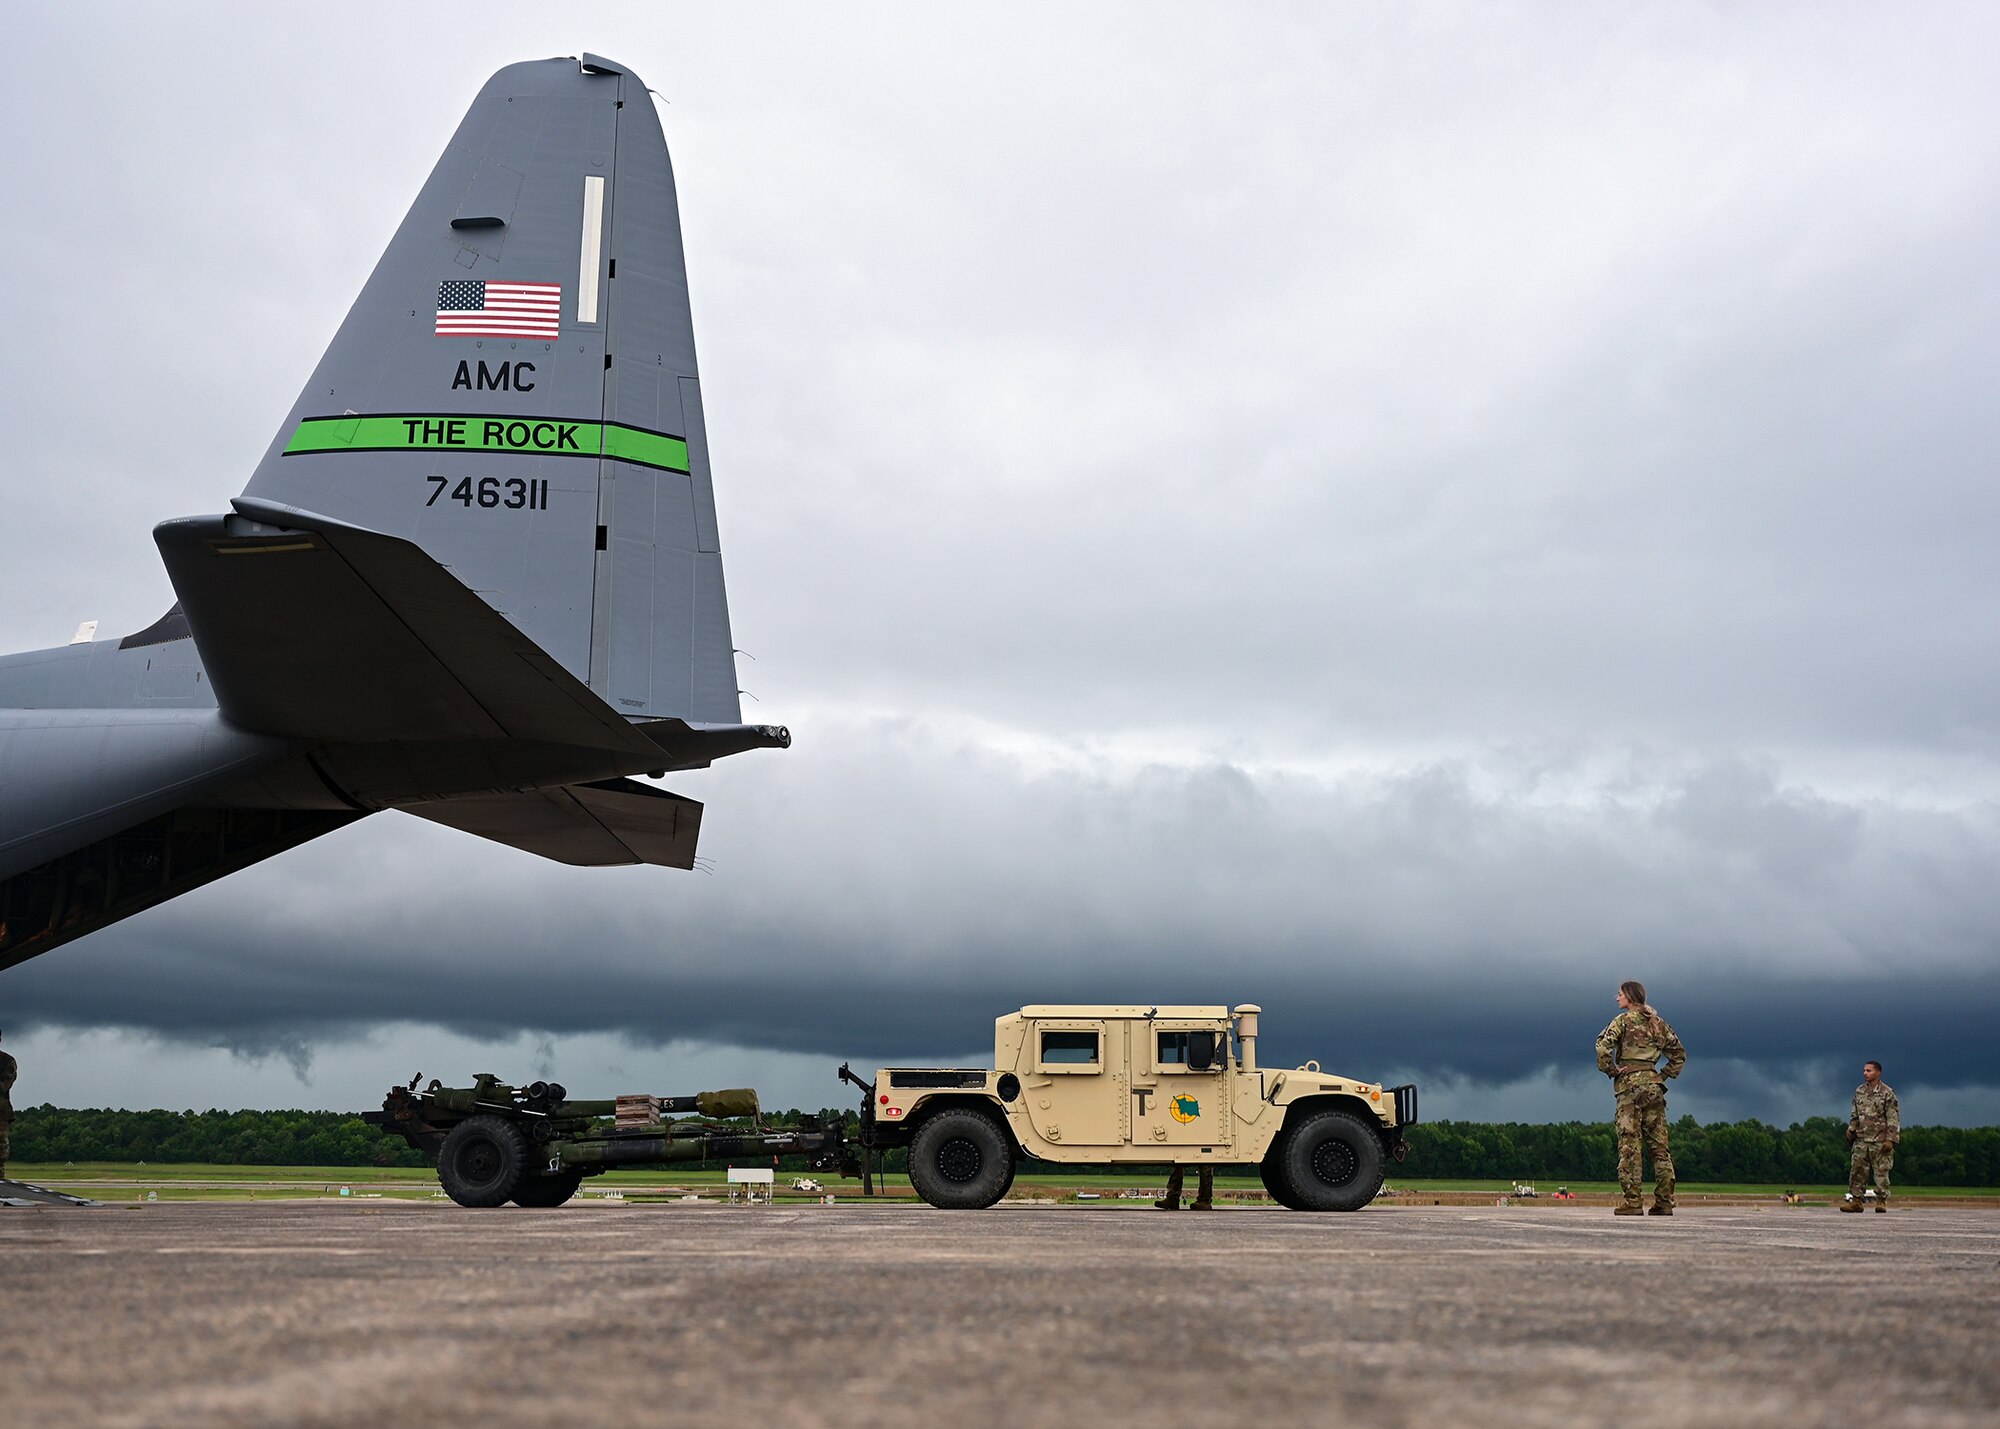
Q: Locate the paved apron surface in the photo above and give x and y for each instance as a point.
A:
(342, 1313)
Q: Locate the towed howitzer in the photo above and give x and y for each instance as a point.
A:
(493, 1143)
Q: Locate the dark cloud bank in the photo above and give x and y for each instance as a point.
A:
(1398, 921)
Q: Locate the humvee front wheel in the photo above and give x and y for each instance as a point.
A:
(482, 1161)
(1330, 1161)
(542, 1191)
(1273, 1177)
(961, 1160)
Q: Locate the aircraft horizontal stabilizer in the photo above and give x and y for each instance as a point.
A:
(618, 821)
(334, 633)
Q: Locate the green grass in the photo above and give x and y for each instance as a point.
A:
(168, 1173)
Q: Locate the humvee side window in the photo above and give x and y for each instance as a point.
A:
(1070, 1048)
(1193, 1051)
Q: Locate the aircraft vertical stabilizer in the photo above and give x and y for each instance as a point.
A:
(515, 391)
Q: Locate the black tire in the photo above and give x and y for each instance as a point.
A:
(538, 1192)
(482, 1161)
(961, 1161)
(1273, 1178)
(1330, 1161)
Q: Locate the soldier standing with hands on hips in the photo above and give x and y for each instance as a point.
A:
(1874, 1126)
(1628, 1052)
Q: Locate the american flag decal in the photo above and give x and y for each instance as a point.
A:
(475, 307)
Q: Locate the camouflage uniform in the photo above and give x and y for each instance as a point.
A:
(1204, 1196)
(1874, 1127)
(7, 1069)
(1637, 1040)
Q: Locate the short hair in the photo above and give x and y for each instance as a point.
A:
(1634, 990)
(1876, 1065)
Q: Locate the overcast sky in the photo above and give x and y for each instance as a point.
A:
(1405, 515)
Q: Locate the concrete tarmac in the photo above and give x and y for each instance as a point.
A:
(383, 1312)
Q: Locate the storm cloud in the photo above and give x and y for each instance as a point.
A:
(1406, 518)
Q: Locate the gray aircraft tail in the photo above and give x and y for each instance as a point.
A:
(475, 578)
(515, 392)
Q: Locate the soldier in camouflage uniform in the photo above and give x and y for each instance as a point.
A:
(1204, 1195)
(1874, 1126)
(1628, 1052)
(7, 1070)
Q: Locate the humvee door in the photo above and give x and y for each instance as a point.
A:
(1074, 1078)
(1180, 1085)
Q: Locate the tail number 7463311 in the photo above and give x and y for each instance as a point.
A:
(511, 493)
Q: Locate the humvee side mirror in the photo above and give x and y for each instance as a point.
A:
(1200, 1051)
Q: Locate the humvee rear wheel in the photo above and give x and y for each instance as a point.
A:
(1330, 1161)
(482, 1161)
(538, 1191)
(961, 1160)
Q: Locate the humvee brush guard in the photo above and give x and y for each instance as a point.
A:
(1176, 1085)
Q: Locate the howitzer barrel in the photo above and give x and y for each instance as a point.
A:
(591, 1108)
(736, 1101)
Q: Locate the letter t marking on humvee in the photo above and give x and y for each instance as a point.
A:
(1142, 1093)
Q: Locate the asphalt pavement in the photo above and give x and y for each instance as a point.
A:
(393, 1312)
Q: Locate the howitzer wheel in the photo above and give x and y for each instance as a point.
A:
(961, 1160)
(538, 1192)
(1330, 1161)
(483, 1161)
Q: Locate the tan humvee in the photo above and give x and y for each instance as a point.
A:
(1177, 1085)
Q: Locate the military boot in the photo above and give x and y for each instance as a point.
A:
(1660, 1210)
(1628, 1208)
(1881, 1207)
(1850, 1204)
(1204, 1190)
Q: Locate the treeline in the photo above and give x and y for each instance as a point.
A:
(1812, 1152)
(225, 1138)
